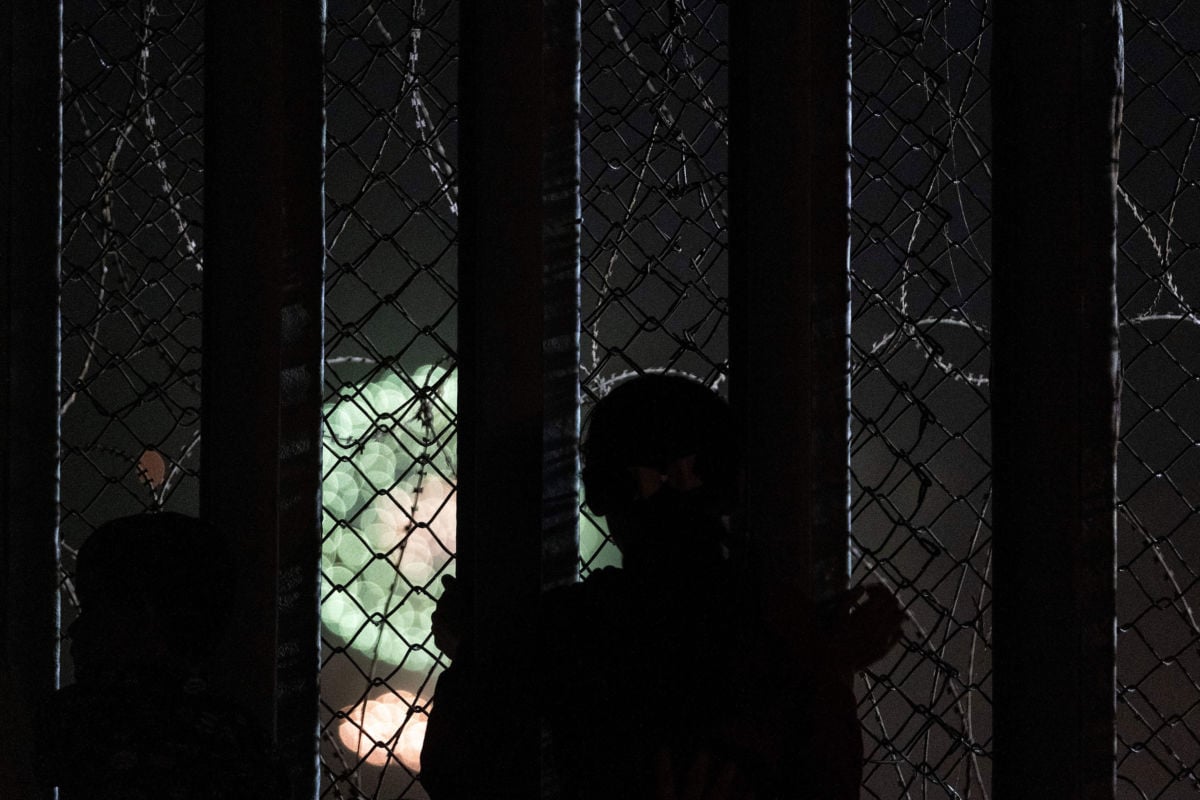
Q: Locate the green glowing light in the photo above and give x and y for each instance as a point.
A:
(352, 552)
(377, 462)
(594, 548)
(371, 596)
(391, 649)
(347, 419)
(385, 542)
(342, 615)
(337, 575)
(340, 492)
(382, 525)
(417, 562)
(386, 394)
(382, 573)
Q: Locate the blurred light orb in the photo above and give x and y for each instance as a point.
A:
(347, 419)
(434, 376)
(399, 544)
(377, 462)
(386, 728)
(371, 596)
(391, 649)
(353, 552)
(438, 388)
(336, 575)
(386, 395)
(415, 526)
(340, 491)
(381, 573)
(386, 541)
(342, 615)
(413, 618)
(382, 524)
(433, 504)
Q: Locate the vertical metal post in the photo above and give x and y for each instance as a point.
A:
(1056, 93)
(789, 296)
(518, 342)
(561, 303)
(30, 174)
(263, 288)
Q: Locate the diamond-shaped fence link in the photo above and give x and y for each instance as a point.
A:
(1158, 584)
(654, 163)
(391, 386)
(131, 264)
(920, 447)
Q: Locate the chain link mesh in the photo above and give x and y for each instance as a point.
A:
(654, 158)
(1158, 585)
(391, 386)
(131, 264)
(655, 288)
(921, 489)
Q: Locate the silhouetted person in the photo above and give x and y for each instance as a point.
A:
(660, 679)
(140, 720)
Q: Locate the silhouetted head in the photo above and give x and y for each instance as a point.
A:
(661, 465)
(154, 593)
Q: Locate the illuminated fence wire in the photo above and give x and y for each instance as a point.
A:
(1158, 587)
(654, 157)
(921, 521)
(391, 386)
(131, 263)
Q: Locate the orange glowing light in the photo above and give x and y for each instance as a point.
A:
(152, 468)
(387, 728)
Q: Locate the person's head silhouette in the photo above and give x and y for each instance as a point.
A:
(661, 465)
(140, 720)
(153, 595)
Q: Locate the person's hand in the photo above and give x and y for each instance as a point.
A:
(450, 619)
(707, 777)
(868, 622)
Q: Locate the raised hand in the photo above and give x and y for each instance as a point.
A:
(868, 622)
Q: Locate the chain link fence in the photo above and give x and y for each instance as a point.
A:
(921, 489)
(132, 209)
(391, 386)
(654, 155)
(1158, 586)
(654, 158)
